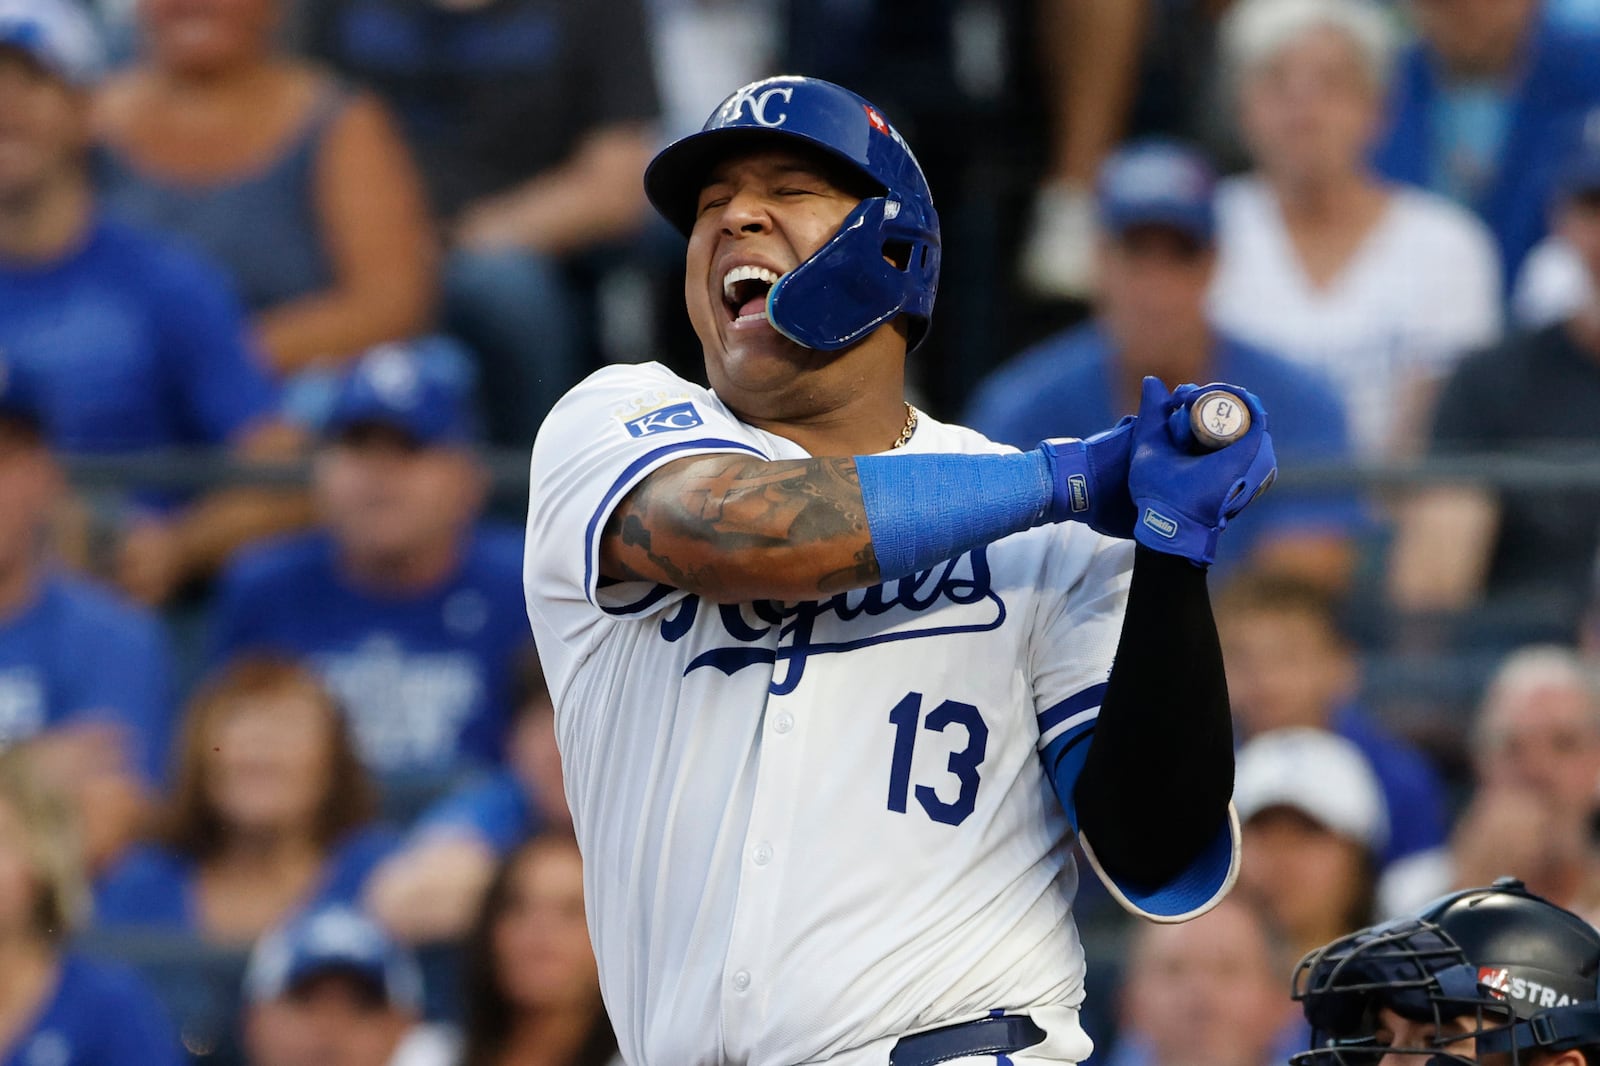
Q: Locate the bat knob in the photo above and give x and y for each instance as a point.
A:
(1218, 418)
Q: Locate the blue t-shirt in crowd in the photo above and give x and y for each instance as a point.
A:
(1412, 788)
(99, 1014)
(131, 343)
(78, 653)
(424, 678)
(1545, 111)
(497, 809)
(154, 887)
(1062, 387)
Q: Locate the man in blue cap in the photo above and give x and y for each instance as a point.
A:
(330, 988)
(1157, 255)
(401, 601)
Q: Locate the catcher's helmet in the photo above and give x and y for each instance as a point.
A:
(1523, 973)
(883, 260)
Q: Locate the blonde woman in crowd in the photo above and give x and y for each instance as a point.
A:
(56, 1006)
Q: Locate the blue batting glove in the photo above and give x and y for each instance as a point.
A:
(1089, 480)
(1184, 495)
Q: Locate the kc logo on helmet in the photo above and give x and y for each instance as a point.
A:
(759, 104)
(664, 420)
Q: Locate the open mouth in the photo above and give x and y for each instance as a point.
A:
(744, 292)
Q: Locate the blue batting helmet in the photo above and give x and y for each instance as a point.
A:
(884, 259)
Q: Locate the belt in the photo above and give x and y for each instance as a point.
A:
(986, 1036)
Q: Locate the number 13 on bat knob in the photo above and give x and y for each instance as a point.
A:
(1217, 419)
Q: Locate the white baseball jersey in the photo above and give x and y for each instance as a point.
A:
(811, 828)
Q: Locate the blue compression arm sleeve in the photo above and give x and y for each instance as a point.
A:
(924, 509)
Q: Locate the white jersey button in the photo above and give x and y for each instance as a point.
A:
(762, 854)
(783, 722)
(741, 981)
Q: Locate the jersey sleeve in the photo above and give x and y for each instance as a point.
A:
(599, 441)
(1075, 642)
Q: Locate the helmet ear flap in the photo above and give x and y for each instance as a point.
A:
(844, 291)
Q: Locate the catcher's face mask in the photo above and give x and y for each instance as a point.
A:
(1492, 976)
(1402, 988)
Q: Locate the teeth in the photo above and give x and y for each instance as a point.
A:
(746, 273)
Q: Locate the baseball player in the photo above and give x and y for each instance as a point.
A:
(1491, 975)
(826, 670)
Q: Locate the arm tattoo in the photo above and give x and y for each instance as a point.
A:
(804, 514)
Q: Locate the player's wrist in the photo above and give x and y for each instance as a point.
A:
(1167, 529)
(1089, 480)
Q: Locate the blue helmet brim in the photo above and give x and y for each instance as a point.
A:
(676, 175)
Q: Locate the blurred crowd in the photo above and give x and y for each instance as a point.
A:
(279, 781)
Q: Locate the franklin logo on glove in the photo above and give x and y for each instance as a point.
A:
(1160, 523)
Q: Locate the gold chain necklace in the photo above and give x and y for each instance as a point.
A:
(911, 427)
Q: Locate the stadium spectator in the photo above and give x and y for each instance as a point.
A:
(1209, 992)
(1157, 258)
(133, 344)
(1484, 109)
(1089, 58)
(1536, 760)
(1314, 822)
(430, 889)
(1379, 287)
(84, 676)
(270, 813)
(56, 1006)
(409, 609)
(701, 47)
(532, 120)
(1290, 665)
(298, 186)
(1527, 554)
(330, 989)
(532, 990)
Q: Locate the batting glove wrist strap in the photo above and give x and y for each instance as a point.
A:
(1186, 496)
(1089, 480)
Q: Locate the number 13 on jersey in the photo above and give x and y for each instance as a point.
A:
(963, 763)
